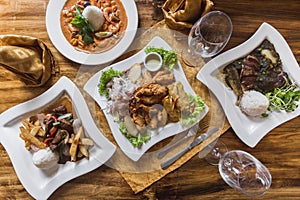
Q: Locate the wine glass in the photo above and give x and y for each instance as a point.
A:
(208, 36)
(239, 169)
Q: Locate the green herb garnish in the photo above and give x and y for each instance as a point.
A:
(169, 56)
(284, 98)
(135, 141)
(85, 28)
(107, 76)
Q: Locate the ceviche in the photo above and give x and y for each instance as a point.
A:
(142, 101)
(55, 137)
(260, 83)
(93, 26)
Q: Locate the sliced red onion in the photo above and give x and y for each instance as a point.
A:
(34, 148)
(41, 117)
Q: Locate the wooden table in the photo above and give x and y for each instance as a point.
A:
(279, 150)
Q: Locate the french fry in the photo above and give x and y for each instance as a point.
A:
(79, 154)
(25, 123)
(70, 140)
(37, 123)
(41, 132)
(86, 141)
(74, 145)
(35, 130)
(83, 150)
(27, 145)
(31, 139)
(83, 141)
(22, 137)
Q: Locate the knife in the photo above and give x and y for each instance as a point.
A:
(165, 164)
(190, 132)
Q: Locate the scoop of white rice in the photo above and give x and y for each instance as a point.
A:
(95, 16)
(45, 158)
(254, 103)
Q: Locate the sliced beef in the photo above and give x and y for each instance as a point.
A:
(64, 124)
(60, 110)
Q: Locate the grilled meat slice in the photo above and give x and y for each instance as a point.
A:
(249, 72)
(233, 79)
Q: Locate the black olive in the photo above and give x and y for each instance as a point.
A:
(86, 4)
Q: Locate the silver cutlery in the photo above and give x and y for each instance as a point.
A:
(191, 132)
(165, 164)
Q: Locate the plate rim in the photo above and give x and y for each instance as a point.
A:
(102, 146)
(66, 49)
(91, 89)
(205, 75)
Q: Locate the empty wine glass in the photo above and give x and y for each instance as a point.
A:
(239, 169)
(208, 36)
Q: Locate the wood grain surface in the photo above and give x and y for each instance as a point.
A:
(279, 150)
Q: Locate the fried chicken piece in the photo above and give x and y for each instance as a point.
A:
(151, 94)
(145, 106)
(164, 77)
(147, 78)
(138, 119)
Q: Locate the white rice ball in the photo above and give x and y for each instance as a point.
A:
(95, 16)
(254, 103)
(45, 158)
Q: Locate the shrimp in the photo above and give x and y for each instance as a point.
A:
(114, 28)
(106, 13)
(112, 18)
(101, 43)
(104, 4)
(114, 8)
(93, 2)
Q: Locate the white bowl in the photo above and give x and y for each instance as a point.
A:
(153, 61)
(65, 48)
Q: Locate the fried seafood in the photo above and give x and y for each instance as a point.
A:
(162, 77)
(144, 106)
(150, 94)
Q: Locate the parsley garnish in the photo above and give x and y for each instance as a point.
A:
(85, 28)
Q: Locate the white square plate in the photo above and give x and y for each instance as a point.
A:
(170, 129)
(250, 129)
(45, 182)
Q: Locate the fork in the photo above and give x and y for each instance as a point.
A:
(190, 132)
